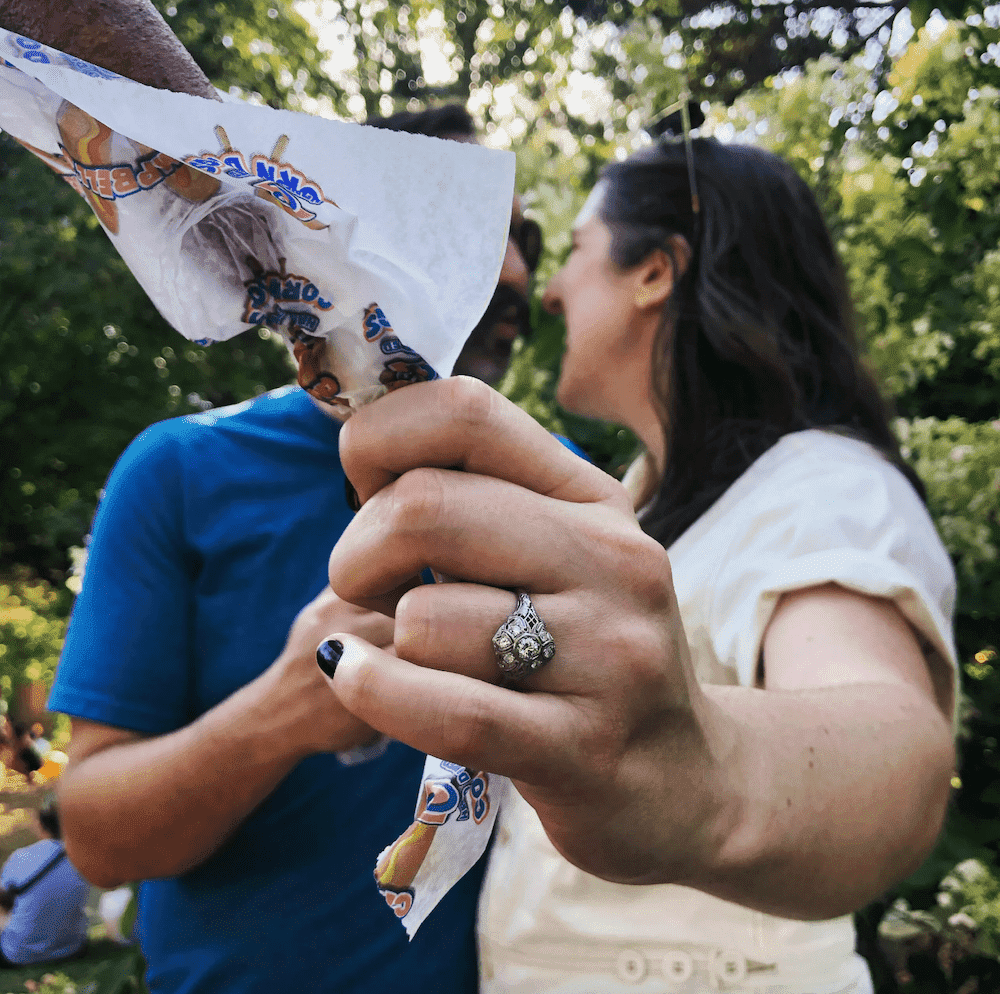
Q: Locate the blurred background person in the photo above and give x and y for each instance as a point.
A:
(45, 896)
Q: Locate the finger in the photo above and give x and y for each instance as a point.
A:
(461, 422)
(454, 717)
(450, 627)
(477, 529)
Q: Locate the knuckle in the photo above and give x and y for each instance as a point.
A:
(617, 496)
(414, 629)
(468, 740)
(351, 446)
(469, 403)
(643, 567)
(416, 502)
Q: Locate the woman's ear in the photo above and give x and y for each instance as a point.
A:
(654, 281)
(659, 271)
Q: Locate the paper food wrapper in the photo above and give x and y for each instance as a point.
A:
(452, 824)
(373, 253)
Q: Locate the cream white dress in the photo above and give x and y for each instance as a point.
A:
(815, 508)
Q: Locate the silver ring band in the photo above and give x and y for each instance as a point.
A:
(522, 643)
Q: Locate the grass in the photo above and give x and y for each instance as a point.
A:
(106, 969)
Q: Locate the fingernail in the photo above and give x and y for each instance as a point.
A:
(328, 655)
(352, 496)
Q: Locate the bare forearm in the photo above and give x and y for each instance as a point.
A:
(126, 36)
(156, 807)
(837, 794)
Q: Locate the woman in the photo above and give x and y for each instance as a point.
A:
(759, 726)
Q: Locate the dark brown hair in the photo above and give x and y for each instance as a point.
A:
(758, 338)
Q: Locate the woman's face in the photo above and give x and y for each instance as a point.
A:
(606, 365)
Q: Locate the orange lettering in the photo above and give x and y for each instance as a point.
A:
(104, 189)
(123, 181)
(149, 176)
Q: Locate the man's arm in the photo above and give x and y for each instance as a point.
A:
(128, 37)
(136, 807)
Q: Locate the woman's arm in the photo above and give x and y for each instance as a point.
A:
(841, 766)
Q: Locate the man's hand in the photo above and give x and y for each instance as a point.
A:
(331, 728)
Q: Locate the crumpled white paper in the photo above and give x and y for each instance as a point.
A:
(452, 824)
(373, 253)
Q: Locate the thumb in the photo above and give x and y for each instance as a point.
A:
(454, 717)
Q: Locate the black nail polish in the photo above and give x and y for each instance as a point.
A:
(352, 496)
(328, 655)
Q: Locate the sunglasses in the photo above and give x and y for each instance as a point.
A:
(664, 129)
(527, 237)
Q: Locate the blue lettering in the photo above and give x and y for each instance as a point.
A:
(235, 166)
(291, 184)
(257, 293)
(448, 801)
(391, 345)
(87, 69)
(206, 163)
(264, 170)
(298, 319)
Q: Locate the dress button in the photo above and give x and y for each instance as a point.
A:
(678, 966)
(729, 966)
(630, 965)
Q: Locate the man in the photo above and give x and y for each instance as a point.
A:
(208, 758)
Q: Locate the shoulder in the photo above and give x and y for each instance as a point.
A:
(280, 416)
(817, 508)
(273, 410)
(23, 862)
(816, 477)
(816, 493)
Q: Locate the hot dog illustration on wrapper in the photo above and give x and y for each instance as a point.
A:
(455, 812)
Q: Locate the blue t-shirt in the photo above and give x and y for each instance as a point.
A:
(213, 532)
(48, 921)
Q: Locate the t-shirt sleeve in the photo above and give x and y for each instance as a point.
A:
(126, 658)
(839, 516)
(7, 875)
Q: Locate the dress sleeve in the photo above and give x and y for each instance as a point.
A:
(126, 658)
(840, 513)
